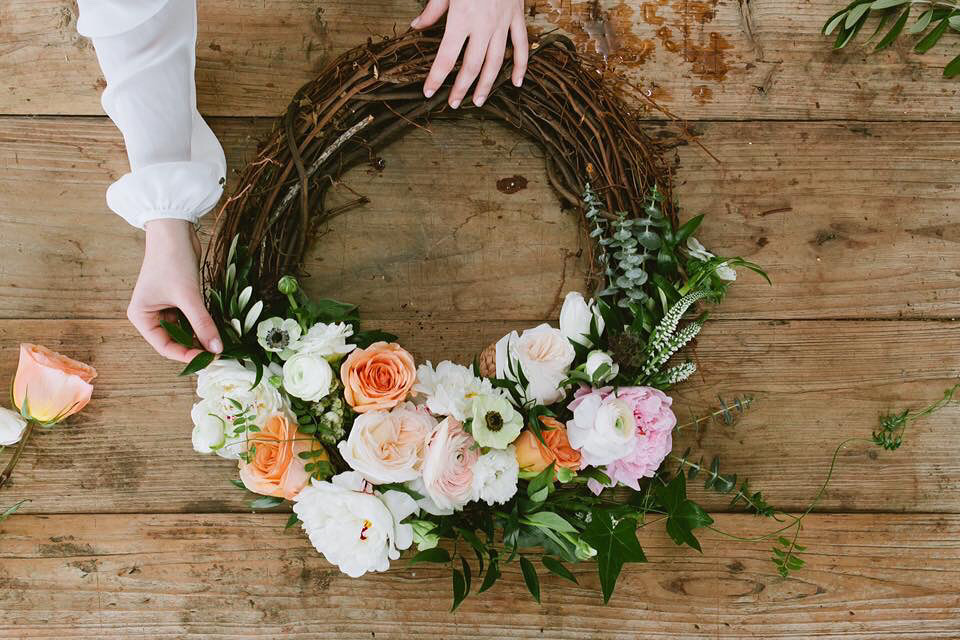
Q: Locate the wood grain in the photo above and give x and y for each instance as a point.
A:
(839, 233)
(231, 576)
(815, 383)
(729, 60)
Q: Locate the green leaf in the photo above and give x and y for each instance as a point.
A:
(556, 567)
(895, 31)
(530, 577)
(12, 509)
(467, 574)
(437, 554)
(459, 589)
(844, 36)
(178, 333)
(549, 520)
(954, 22)
(493, 573)
(855, 14)
(952, 68)
(266, 502)
(615, 544)
(931, 38)
(886, 4)
(833, 22)
(291, 521)
(922, 22)
(541, 482)
(688, 228)
(364, 339)
(238, 484)
(201, 361)
(683, 515)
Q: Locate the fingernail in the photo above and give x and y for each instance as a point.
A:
(478, 100)
(429, 92)
(416, 21)
(216, 346)
(455, 103)
(517, 83)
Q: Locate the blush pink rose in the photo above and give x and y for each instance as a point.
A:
(448, 465)
(655, 422)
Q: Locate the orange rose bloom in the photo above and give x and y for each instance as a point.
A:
(532, 455)
(53, 386)
(378, 377)
(276, 469)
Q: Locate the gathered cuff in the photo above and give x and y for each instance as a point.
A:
(104, 18)
(179, 190)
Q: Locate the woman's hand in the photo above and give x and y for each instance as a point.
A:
(484, 25)
(170, 279)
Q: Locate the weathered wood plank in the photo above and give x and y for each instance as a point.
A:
(438, 225)
(815, 382)
(232, 576)
(710, 59)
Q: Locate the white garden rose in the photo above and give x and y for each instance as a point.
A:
(600, 367)
(353, 526)
(449, 388)
(327, 340)
(603, 429)
(576, 315)
(495, 422)
(307, 375)
(12, 426)
(225, 393)
(495, 476)
(389, 446)
(543, 354)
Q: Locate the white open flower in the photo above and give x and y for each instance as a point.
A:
(600, 367)
(328, 340)
(576, 316)
(209, 429)
(278, 335)
(354, 527)
(307, 375)
(495, 476)
(602, 429)
(449, 388)
(696, 250)
(495, 422)
(543, 354)
(12, 426)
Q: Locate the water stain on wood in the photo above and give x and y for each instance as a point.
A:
(598, 30)
(511, 184)
(702, 93)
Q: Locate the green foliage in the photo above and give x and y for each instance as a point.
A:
(12, 509)
(893, 425)
(683, 515)
(786, 555)
(266, 502)
(616, 544)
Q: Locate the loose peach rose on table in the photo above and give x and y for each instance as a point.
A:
(274, 466)
(377, 378)
(533, 455)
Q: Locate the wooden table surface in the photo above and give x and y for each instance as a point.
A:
(837, 172)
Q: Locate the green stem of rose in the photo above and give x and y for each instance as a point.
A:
(16, 454)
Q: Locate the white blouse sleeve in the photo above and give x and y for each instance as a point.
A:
(147, 51)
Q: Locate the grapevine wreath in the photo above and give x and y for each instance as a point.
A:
(511, 458)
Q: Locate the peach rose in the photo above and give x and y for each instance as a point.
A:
(532, 455)
(378, 377)
(276, 468)
(51, 385)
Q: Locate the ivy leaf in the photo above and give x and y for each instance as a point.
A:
(616, 544)
(556, 567)
(530, 577)
(201, 361)
(683, 515)
(437, 554)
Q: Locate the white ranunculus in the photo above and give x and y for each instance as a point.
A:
(576, 315)
(495, 476)
(726, 272)
(327, 340)
(307, 375)
(12, 426)
(208, 428)
(449, 387)
(278, 335)
(602, 429)
(354, 527)
(389, 446)
(495, 423)
(543, 354)
(696, 250)
(225, 391)
(594, 367)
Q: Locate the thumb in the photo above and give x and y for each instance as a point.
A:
(203, 325)
(431, 13)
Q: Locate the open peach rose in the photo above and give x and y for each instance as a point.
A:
(276, 468)
(52, 386)
(532, 455)
(378, 377)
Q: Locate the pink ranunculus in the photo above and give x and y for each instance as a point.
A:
(448, 465)
(655, 422)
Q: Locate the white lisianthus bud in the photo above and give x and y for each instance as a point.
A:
(601, 367)
(12, 426)
(726, 272)
(696, 250)
(307, 376)
(576, 316)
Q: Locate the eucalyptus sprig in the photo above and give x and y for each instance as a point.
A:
(935, 18)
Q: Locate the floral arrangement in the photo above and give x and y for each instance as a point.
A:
(520, 450)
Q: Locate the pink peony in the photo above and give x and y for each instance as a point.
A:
(655, 422)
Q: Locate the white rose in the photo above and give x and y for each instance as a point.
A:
(355, 528)
(449, 388)
(696, 249)
(543, 354)
(308, 376)
(389, 446)
(12, 426)
(327, 340)
(603, 429)
(576, 315)
(495, 476)
(595, 361)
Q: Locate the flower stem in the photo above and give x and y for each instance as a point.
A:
(16, 454)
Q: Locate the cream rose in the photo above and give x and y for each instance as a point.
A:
(389, 446)
(12, 426)
(543, 354)
(603, 428)
(576, 316)
(307, 375)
